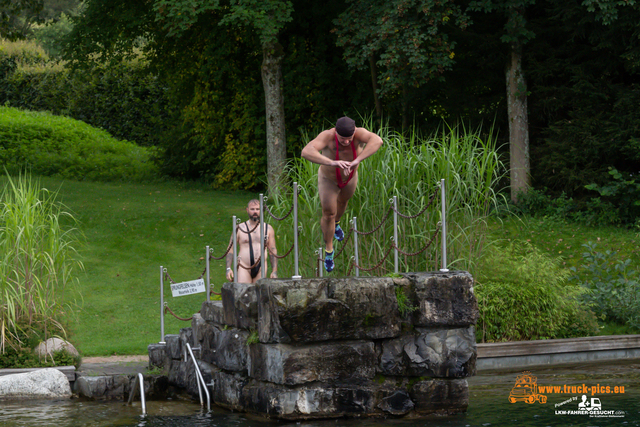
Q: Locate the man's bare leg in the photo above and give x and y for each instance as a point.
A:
(244, 276)
(344, 196)
(329, 192)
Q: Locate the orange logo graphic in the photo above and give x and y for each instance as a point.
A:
(526, 389)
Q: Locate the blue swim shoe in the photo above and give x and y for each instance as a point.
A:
(338, 234)
(328, 260)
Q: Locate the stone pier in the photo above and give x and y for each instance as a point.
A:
(333, 347)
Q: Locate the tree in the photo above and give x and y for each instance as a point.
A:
(402, 42)
(16, 17)
(516, 35)
(268, 18)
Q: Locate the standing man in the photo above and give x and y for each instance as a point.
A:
(248, 241)
(338, 151)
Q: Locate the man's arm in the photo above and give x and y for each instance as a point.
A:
(372, 144)
(229, 260)
(312, 151)
(271, 245)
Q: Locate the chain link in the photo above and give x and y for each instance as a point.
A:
(225, 254)
(166, 308)
(393, 245)
(435, 193)
(378, 264)
(281, 256)
(266, 207)
(250, 231)
(366, 233)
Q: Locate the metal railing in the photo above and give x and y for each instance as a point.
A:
(139, 380)
(199, 378)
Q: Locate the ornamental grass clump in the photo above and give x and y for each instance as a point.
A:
(38, 260)
(410, 167)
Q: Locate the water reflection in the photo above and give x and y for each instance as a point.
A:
(489, 406)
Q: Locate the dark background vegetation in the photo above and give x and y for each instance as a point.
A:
(200, 98)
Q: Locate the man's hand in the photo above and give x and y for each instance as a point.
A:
(274, 275)
(342, 164)
(230, 275)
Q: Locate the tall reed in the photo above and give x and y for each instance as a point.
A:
(38, 259)
(410, 168)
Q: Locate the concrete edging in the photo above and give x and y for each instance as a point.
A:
(523, 354)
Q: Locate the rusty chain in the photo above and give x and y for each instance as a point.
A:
(378, 264)
(281, 256)
(166, 308)
(249, 268)
(393, 245)
(275, 217)
(250, 231)
(435, 193)
(366, 233)
(225, 254)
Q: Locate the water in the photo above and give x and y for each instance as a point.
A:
(489, 406)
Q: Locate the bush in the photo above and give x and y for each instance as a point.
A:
(58, 146)
(522, 295)
(614, 286)
(124, 99)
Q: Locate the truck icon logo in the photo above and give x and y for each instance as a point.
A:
(593, 406)
(526, 389)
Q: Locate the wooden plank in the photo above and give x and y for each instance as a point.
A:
(69, 371)
(568, 345)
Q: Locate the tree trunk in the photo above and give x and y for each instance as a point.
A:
(518, 123)
(274, 106)
(374, 84)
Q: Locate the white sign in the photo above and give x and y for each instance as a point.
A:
(188, 288)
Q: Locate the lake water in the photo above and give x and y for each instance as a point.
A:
(489, 405)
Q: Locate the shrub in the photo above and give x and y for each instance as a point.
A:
(37, 262)
(614, 285)
(522, 295)
(622, 195)
(58, 146)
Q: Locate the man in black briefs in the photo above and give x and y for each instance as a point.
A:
(338, 151)
(248, 242)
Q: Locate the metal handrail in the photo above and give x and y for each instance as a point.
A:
(139, 380)
(200, 380)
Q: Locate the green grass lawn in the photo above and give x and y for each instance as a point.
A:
(131, 230)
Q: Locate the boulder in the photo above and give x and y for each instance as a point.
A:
(240, 305)
(213, 311)
(50, 346)
(48, 383)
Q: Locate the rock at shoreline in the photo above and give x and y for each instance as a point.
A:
(47, 383)
(50, 346)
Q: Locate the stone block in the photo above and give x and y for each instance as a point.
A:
(440, 396)
(291, 364)
(227, 390)
(442, 353)
(212, 311)
(186, 337)
(174, 348)
(198, 326)
(107, 387)
(291, 311)
(226, 348)
(444, 299)
(240, 305)
(158, 356)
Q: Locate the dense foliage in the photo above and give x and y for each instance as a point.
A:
(523, 295)
(58, 146)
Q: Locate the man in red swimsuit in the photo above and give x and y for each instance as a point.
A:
(338, 151)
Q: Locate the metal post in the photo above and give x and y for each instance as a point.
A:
(296, 275)
(162, 306)
(321, 259)
(235, 252)
(444, 228)
(263, 264)
(395, 234)
(208, 277)
(355, 244)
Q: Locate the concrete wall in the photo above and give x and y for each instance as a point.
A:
(333, 347)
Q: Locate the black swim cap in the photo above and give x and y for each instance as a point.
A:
(345, 126)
